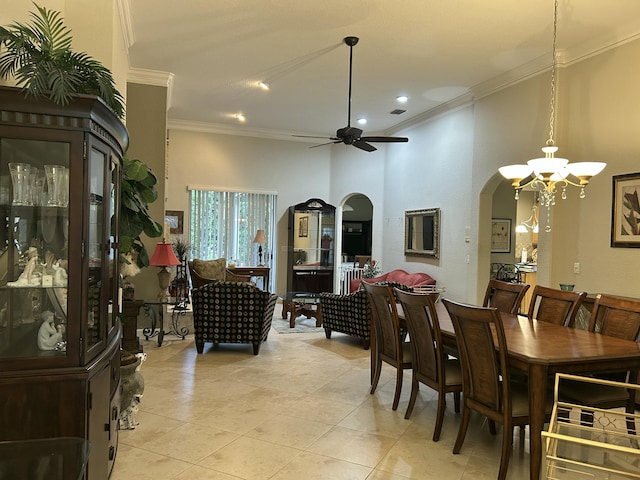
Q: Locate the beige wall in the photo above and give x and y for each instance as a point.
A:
(147, 125)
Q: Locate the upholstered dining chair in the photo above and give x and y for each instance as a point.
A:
(555, 306)
(505, 296)
(430, 364)
(486, 385)
(388, 341)
(617, 317)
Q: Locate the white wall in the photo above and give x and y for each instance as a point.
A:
(294, 171)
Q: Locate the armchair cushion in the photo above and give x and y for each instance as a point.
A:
(206, 271)
(230, 312)
(398, 276)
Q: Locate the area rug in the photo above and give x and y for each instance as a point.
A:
(303, 325)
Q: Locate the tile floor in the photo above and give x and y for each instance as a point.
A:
(301, 409)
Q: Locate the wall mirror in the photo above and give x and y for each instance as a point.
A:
(422, 232)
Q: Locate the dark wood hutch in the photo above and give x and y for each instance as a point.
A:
(60, 333)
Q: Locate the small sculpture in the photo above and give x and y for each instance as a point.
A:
(28, 276)
(49, 334)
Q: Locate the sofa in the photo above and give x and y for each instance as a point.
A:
(395, 276)
(231, 312)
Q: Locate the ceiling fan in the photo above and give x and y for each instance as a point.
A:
(351, 135)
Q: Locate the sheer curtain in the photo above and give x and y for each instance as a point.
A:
(224, 224)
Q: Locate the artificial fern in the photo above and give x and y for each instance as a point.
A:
(39, 57)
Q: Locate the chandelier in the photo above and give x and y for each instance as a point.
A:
(551, 173)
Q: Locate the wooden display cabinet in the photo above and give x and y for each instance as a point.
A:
(59, 198)
(311, 258)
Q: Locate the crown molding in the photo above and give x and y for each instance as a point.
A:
(153, 77)
(126, 22)
(242, 131)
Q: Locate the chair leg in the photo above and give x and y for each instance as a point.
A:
(507, 440)
(439, 416)
(456, 401)
(396, 397)
(462, 430)
(256, 348)
(415, 386)
(492, 427)
(327, 332)
(199, 346)
(366, 344)
(376, 368)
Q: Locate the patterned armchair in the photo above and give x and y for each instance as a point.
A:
(350, 313)
(231, 312)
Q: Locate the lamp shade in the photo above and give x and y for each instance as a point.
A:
(260, 237)
(163, 256)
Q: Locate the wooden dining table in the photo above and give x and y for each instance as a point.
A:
(541, 349)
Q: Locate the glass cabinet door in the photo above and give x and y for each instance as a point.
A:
(97, 252)
(34, 201)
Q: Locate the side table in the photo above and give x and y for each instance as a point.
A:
(262, 272)
(154, 309)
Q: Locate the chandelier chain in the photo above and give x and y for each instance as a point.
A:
(552, 109)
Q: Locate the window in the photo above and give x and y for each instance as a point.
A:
(224, 224)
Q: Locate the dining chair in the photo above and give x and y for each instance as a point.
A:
(505, 296)
(431, 365)
(555, 306)
(617, 317)
(387, 339)
(486, 385)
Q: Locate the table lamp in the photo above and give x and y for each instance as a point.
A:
(164, 257)
(260, 239)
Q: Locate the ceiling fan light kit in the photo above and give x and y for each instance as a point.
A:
(351, 135)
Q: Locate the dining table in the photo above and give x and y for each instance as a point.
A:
(540, 350)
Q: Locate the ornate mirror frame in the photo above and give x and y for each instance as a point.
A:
(422, 233)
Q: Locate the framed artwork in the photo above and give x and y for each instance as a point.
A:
(625, 214)
(303, 227)
(500, 235)
(174, 218)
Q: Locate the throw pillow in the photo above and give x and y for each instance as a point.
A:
(214, 269)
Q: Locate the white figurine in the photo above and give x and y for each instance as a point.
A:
(49, 334)
(28, 276)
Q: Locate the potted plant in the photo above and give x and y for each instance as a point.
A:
(38, 56)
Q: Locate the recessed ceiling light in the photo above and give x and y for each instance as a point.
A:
(402, 99)
(362, 121)
(263, 85)
(240, 117)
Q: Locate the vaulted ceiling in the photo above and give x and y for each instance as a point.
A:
(432, 51)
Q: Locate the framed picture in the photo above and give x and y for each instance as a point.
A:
(174, 219)
(625, 214)
(303, 227)
(500, 235)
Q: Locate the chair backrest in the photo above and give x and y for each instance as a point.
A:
(482, 367)
(424, 330)
(616, 316)
(555, 306)
(505, 296)
(384, 317)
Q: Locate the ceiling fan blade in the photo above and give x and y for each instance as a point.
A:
(384, 139)
(362, 145)
(314, 136)
(327, 143)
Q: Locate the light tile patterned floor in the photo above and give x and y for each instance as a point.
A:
(301, 409)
